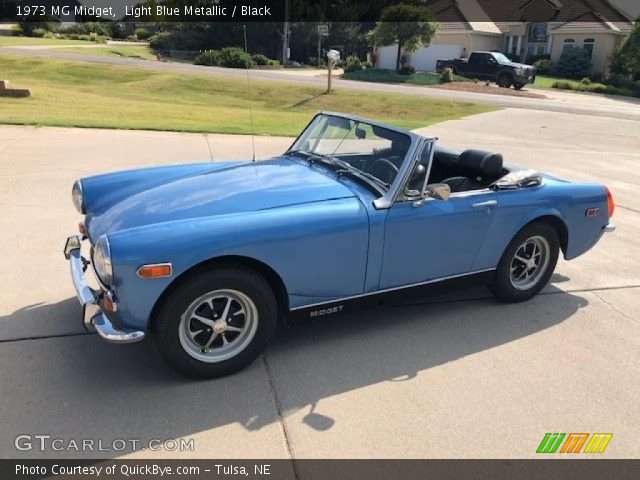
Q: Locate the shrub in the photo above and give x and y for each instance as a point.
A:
(16, 30)
(142, 33)
(543, 66)
(619, 80)
(574, 63)
(273, 63)
(38, 32)
(118, 30)
(597, 78)
(99, 28)
(407, 70)
(210, 57)
(189, 41)
(447, 75)
(536, 58)
(367, 65)
(586, 81)
(235, 57)
(260, 59)
(352, 64)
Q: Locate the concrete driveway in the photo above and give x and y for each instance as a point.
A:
(453, 376)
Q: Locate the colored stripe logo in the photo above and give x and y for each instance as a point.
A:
(574, 443)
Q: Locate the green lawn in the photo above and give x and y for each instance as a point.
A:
(6, 41)
(546, 82)
(129, 51)
(390, 76)
(76, 94)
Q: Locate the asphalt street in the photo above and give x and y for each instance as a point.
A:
(460, 375)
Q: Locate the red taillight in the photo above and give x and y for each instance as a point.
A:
(610, 205)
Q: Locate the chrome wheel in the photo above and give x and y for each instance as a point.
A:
(218, 325)
(529, 263)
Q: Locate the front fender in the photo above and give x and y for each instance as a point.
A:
(318, 249)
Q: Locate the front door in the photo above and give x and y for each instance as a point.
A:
(436, 239)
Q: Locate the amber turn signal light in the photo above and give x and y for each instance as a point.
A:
(610, 205)
(82, 229)
(155, 270)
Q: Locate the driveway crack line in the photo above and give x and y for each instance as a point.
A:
(281, 423)
(613, 307)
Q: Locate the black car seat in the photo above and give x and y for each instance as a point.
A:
(478, 168)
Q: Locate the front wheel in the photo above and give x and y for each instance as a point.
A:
(504, 81)
(216, 322)
(527, 263)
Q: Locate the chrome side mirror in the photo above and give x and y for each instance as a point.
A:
(439, 191)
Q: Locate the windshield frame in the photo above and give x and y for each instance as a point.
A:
(417, 142)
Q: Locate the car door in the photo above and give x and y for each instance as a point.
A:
(435, 239)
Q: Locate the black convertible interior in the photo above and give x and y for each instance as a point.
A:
(466, 170)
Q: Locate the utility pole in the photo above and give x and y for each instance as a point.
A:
(285, 35)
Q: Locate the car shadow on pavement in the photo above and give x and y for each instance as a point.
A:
(80, 386)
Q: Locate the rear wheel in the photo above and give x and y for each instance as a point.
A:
(504, 81)
(527, 263)
(216, 323)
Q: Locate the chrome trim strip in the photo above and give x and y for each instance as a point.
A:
(435, 280)
(609, 227)
(155, 265)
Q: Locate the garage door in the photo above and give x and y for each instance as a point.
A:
(387, 57)
(425, 59)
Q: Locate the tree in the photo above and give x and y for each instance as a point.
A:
(573, 63)
(626, 60)
(407, 25)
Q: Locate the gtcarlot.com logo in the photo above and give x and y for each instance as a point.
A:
(46, 442)
(574, 442)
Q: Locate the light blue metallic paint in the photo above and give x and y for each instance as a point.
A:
(322, 235)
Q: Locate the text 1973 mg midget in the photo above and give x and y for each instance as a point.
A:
(208, 257)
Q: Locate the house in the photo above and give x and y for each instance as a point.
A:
(523, 29)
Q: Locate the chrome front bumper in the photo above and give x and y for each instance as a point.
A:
(93, 317)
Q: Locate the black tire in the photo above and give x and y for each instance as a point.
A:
(518, 86)
(503, 286)
(167, 323)
(505, 80)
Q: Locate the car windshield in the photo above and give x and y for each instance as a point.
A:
(501, 58)
(370, 152)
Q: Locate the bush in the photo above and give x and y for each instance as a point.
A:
(597, 78)
(273, 63)
(352, 64)
(16, 31)
(118, 30)
(574, 63)
(536, 58)
(367, 65)
(586, 81)
(543, 66)
(619, 80)
(210, 57)
(39, 32)
(142, 33)
(447, 75)
(407, 70)
(260, 59)
(188, 41)
(99, 28)
(235, 57)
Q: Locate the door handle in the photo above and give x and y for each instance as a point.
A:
(487, 204)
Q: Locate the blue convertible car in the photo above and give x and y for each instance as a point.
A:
(208, 257)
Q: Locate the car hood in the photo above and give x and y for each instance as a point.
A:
(243, 187)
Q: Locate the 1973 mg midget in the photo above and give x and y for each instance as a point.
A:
(208, 257)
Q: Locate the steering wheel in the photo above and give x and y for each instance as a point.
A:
(384, 170)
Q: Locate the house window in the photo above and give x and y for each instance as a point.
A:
(588, 46)
(568, 44)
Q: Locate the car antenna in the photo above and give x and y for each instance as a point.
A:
(246, 50)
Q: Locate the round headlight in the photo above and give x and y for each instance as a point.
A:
(77, 196)
(102, 260)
